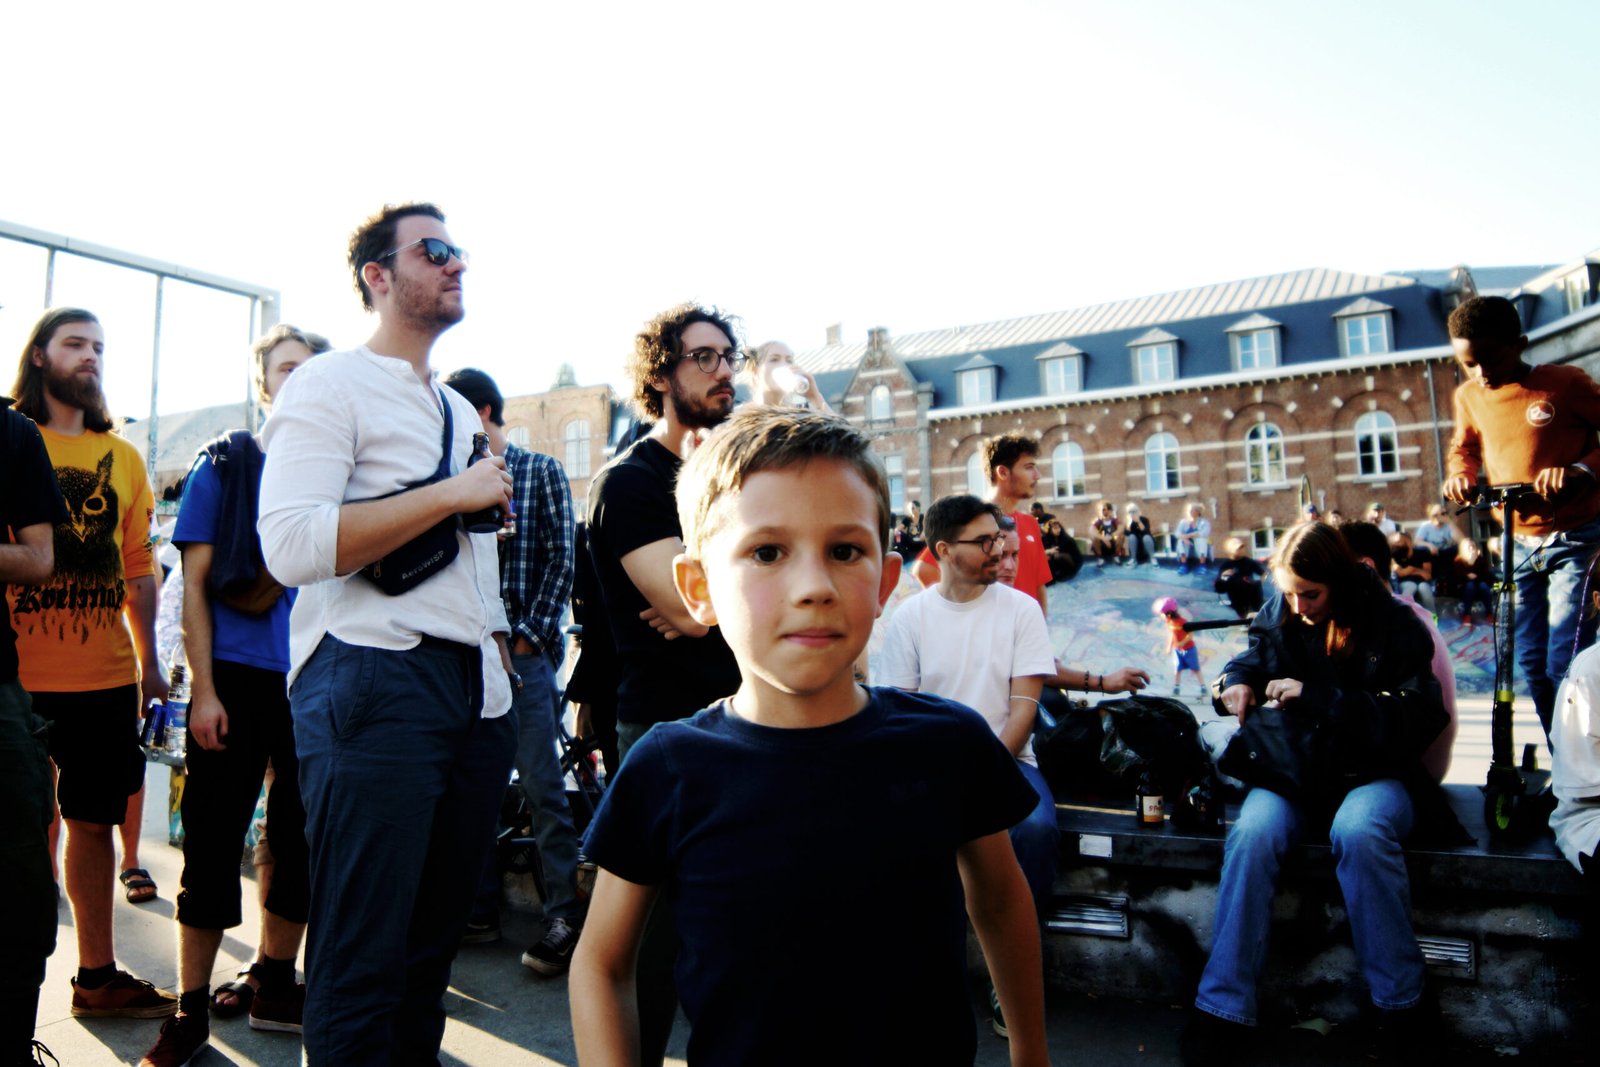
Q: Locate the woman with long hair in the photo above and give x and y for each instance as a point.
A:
(1350, 668)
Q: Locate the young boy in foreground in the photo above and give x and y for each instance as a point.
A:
(812, 837)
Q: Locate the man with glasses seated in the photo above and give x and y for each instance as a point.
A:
(983, 644)
(682, 368)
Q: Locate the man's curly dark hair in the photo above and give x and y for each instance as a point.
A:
(1486, 318)
(657, 347)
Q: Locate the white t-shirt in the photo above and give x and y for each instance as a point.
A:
(1575, 758)
(969, 652)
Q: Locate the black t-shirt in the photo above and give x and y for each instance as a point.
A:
(631, 505)
(28, 496)
(812, 875)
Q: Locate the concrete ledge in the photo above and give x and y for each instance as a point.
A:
(1104, 836)
(1514, 910)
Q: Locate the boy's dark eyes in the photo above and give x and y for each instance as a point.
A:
(766, 553)
(847, 553)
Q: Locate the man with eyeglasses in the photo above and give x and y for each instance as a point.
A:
(683, 366)
(399, 685)
(982, 644)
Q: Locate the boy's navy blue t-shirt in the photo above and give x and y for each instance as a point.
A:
(812, 875)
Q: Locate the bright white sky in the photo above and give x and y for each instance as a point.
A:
(910, 165)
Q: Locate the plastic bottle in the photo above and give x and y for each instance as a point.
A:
(790, 380)
(178, 714)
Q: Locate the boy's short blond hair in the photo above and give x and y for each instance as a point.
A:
(760, 438)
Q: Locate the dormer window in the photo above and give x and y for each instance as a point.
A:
(975, 382)
(1365, 328)
(1155, 357)
(1254, 342)
(1578, 288)
(1061, 370)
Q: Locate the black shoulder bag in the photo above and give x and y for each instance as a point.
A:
(431, 551)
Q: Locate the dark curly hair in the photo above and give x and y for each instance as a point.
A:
(1486, 318)
(657, 347)
(375, 238)
(1005, 450)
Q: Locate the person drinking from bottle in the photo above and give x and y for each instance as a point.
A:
(776, 379)
(1537, 424)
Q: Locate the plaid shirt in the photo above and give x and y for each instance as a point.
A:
(536, 564)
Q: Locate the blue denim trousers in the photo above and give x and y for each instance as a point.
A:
(534, 709)
(402, 781)
(1370, 864)
(1037, 839)
(1549, 605)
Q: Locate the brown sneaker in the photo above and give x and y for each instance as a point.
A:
(182, 1038)
(278, 1010)
(124, 997)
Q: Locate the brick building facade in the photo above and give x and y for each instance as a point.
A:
(1200, 396)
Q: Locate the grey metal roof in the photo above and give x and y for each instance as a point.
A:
(1365, 306)
(1249, 294)
(1253, 322)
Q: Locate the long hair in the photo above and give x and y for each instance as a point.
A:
(29, 388)
(1315, 552)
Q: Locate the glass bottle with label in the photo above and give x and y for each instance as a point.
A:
(1147, 802)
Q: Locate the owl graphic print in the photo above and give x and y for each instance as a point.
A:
(71, 635)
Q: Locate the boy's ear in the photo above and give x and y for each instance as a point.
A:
(892, 562)
(690, 578)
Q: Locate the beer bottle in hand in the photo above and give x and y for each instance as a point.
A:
(491, 518)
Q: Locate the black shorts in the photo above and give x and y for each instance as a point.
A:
(94, 741)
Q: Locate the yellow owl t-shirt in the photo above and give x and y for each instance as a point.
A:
(71, 634)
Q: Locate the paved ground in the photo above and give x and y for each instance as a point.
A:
(501, 1012)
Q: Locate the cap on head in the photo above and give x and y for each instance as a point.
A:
(1164, 606)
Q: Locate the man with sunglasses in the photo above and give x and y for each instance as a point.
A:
(683, 366)
(399, 691)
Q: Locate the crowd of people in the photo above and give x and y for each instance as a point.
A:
(372, 592)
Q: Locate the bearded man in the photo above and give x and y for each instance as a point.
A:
(683, 366)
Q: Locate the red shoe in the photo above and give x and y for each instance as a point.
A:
(124, 997)
(279, 1011)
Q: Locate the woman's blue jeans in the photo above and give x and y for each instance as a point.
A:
(1367, 833)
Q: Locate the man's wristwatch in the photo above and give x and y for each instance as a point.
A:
(1585, 468)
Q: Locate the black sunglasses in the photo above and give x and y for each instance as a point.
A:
(437, 251)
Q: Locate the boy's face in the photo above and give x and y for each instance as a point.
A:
(795, 587)
(1490, 363)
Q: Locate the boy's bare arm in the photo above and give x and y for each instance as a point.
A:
(1000, 906)
(600, 987)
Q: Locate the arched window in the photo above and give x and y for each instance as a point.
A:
(1264, 463)
(1066, 467)
(977, 475)
(518, 435)
(1377, 445)
(880, 404)
(577, 440)
(1161, 464)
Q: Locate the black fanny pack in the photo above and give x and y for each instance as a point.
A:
(431, 551)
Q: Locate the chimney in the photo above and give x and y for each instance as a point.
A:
(836, 334)
(878, 339)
